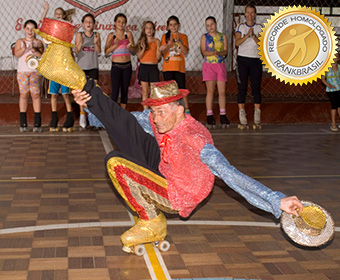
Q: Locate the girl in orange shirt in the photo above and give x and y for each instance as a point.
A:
(148, 54)
(174, 46)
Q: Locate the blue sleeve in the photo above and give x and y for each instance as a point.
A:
(253, 191)
(143, 120)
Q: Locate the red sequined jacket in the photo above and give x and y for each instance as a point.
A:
(189, 180)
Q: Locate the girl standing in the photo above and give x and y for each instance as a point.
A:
(174, 47)
(149, 55)
(332, 82)
(28, 79)
(214, 47)
(249, 65)
(54, 87)
(121, 45)
(88, 46)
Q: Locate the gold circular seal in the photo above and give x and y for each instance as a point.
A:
(297, 45)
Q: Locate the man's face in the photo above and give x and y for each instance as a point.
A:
(166, 116)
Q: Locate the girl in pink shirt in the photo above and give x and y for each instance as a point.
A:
(28, 79)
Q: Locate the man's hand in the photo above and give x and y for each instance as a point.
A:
(81, 97)
(291, 205)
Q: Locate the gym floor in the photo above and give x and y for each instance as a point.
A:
(61, 219)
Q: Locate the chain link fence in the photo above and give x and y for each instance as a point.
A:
(191, 13)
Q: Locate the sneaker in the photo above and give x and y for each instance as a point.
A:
(334, 129)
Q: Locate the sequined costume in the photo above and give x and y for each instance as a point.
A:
(172, 172)
(107, 111)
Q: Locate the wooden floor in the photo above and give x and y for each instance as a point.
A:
(60, 218)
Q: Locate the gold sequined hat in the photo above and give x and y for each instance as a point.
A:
(57, 63)
(164, 92)
(57, 31)
(313, 227)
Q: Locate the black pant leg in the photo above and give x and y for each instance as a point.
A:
(125, 83)
(243, 74)
(123, 128)
(116, 81)
(255, 79)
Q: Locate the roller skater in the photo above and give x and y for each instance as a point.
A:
(243, 119)
(249, 65)
(68, 124)
(37, 122)
(157, 151)
(257, 119)
(28, 79)
(54, 122)
(211, 123)
(214, 47)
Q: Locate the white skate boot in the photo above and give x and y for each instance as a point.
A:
(82, 121)
(257, 119)
(243, 119)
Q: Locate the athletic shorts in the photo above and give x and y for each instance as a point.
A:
(92, 73)
(54, 88)
(214, 72)
(179, 77)
(148, 73)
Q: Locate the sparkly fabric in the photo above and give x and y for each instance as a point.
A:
(143, 120)
(302, 233)
(145, 231)
(57, 31)
(132, 180)
(57, 64)
(253, 191)
(164, 92)
(313, 216)
(93, 119)
(189, 179)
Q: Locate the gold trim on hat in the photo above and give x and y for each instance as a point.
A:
(53, 39)
(167, 90)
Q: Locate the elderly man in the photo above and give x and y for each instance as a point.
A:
(166, 161)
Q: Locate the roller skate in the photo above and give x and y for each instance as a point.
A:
(211, 123)
(68, 124)
(146, 231)
(243, 120)
(37, 122)
(23, 122)
(257, 119)
(54, 122)
(224, 121)
(82, 121)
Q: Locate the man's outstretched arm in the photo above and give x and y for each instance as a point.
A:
(253, 191)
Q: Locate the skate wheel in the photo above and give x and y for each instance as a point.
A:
(127, 249)
(139, 250)
(257, 126)
(163, 245)
(37, 129)
(69, 129)
(242, 126)
(54, 129)
(210, 126)
(225, 125)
